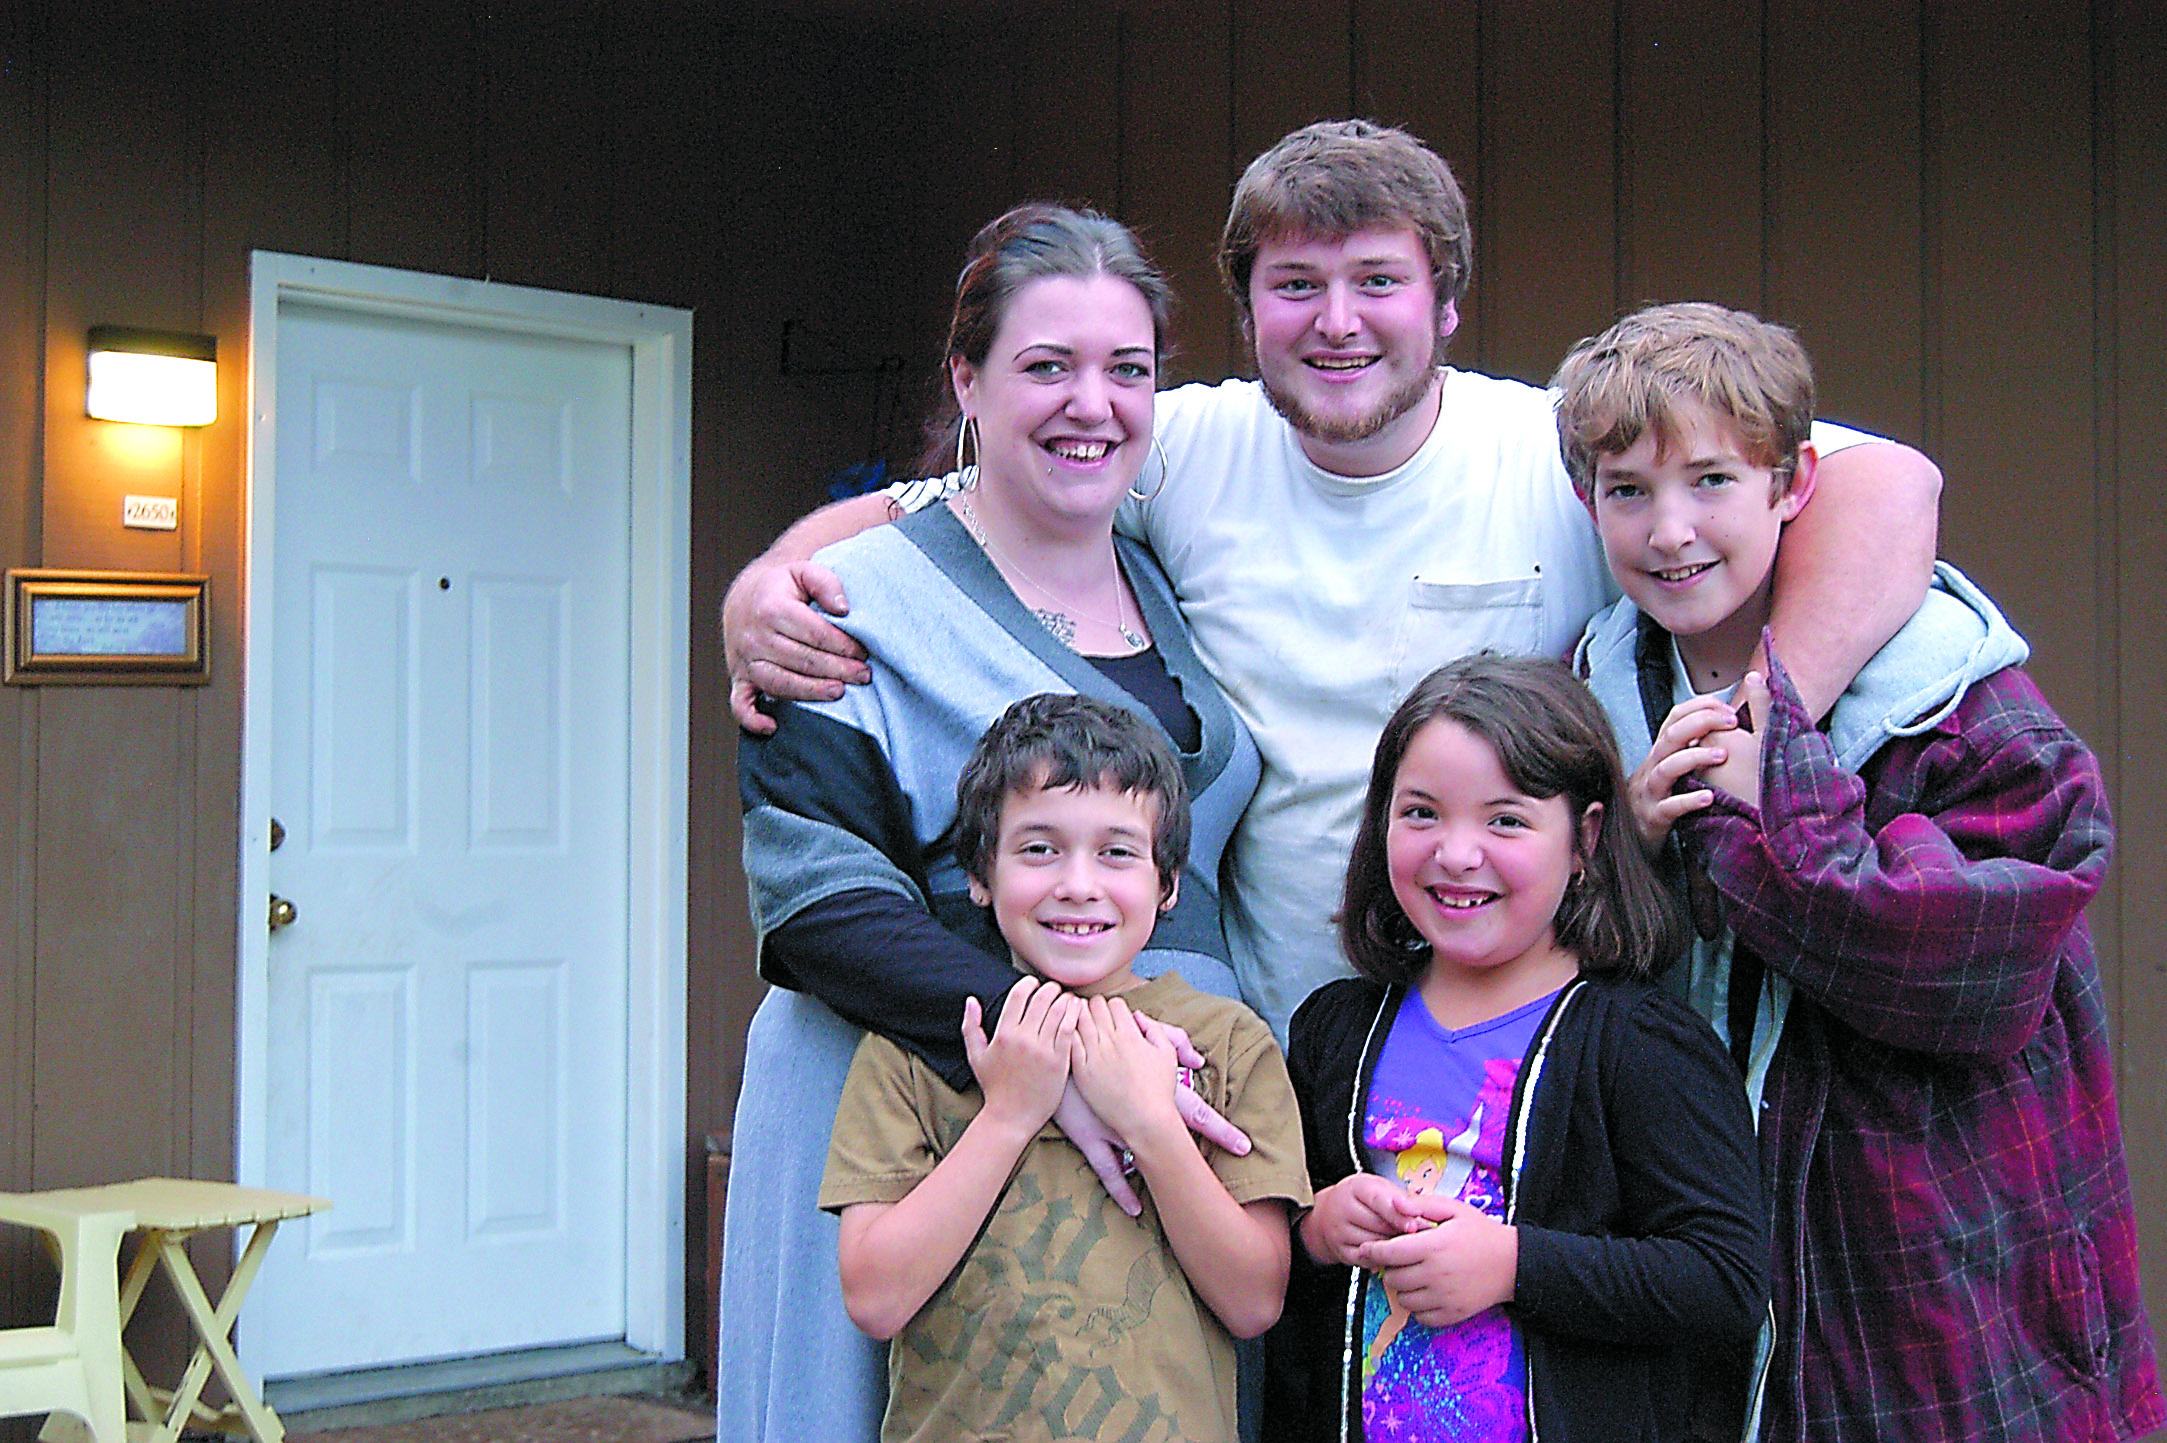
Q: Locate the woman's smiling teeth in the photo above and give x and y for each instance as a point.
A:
(1080, 450)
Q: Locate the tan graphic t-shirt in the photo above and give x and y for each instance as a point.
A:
(1067, 1319)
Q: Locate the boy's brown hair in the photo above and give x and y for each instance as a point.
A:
(1059, 740)
(1618, 386)
(1327, 181)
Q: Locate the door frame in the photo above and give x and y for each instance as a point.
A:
(660, 341)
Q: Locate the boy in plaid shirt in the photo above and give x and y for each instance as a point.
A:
(1891, 920)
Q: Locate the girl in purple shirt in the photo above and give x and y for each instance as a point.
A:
(1536, 1187)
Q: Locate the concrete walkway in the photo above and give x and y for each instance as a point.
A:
(574, 1420)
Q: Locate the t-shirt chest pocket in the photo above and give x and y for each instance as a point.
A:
(1445, 620)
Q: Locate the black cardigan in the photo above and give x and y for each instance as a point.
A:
(1643, 1238)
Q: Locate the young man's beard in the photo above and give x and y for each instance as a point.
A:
(1362, 427)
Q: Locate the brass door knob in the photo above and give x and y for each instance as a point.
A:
(283, 912)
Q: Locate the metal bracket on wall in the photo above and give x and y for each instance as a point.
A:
(887, 419)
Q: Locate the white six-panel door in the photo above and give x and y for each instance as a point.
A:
(446, 1016)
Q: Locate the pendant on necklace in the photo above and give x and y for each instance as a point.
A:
(1060, 624)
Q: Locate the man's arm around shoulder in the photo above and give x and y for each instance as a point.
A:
(1854, 565)
(774, 638)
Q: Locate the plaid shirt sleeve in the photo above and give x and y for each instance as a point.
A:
(1938, 926)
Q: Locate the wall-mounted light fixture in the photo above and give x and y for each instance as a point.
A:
(154, 378)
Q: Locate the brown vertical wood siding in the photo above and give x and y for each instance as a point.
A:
(1961, 207)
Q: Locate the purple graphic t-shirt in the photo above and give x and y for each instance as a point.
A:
(1436, 1123)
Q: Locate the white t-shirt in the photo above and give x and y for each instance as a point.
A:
(1318, 601)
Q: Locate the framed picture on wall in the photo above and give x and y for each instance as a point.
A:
(107, 628)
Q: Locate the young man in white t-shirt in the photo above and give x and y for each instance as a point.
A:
(1360, 514)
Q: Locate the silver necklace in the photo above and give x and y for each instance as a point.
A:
(1058, 622)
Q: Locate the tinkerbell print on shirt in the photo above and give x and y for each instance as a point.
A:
(1435, 1123)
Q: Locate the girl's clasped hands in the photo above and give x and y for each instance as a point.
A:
(1441, 1260)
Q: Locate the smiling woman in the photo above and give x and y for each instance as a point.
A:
(1061, 407)
(1017, 587)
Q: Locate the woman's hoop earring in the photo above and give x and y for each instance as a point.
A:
(1165, 466)
(967, 471)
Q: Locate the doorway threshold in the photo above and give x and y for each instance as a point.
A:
(367, 1396)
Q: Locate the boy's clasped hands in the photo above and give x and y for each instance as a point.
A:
(1124, 1064)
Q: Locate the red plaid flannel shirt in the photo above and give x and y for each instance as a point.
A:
(1956, 1254)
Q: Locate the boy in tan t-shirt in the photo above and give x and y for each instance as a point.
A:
(1022, 1302)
